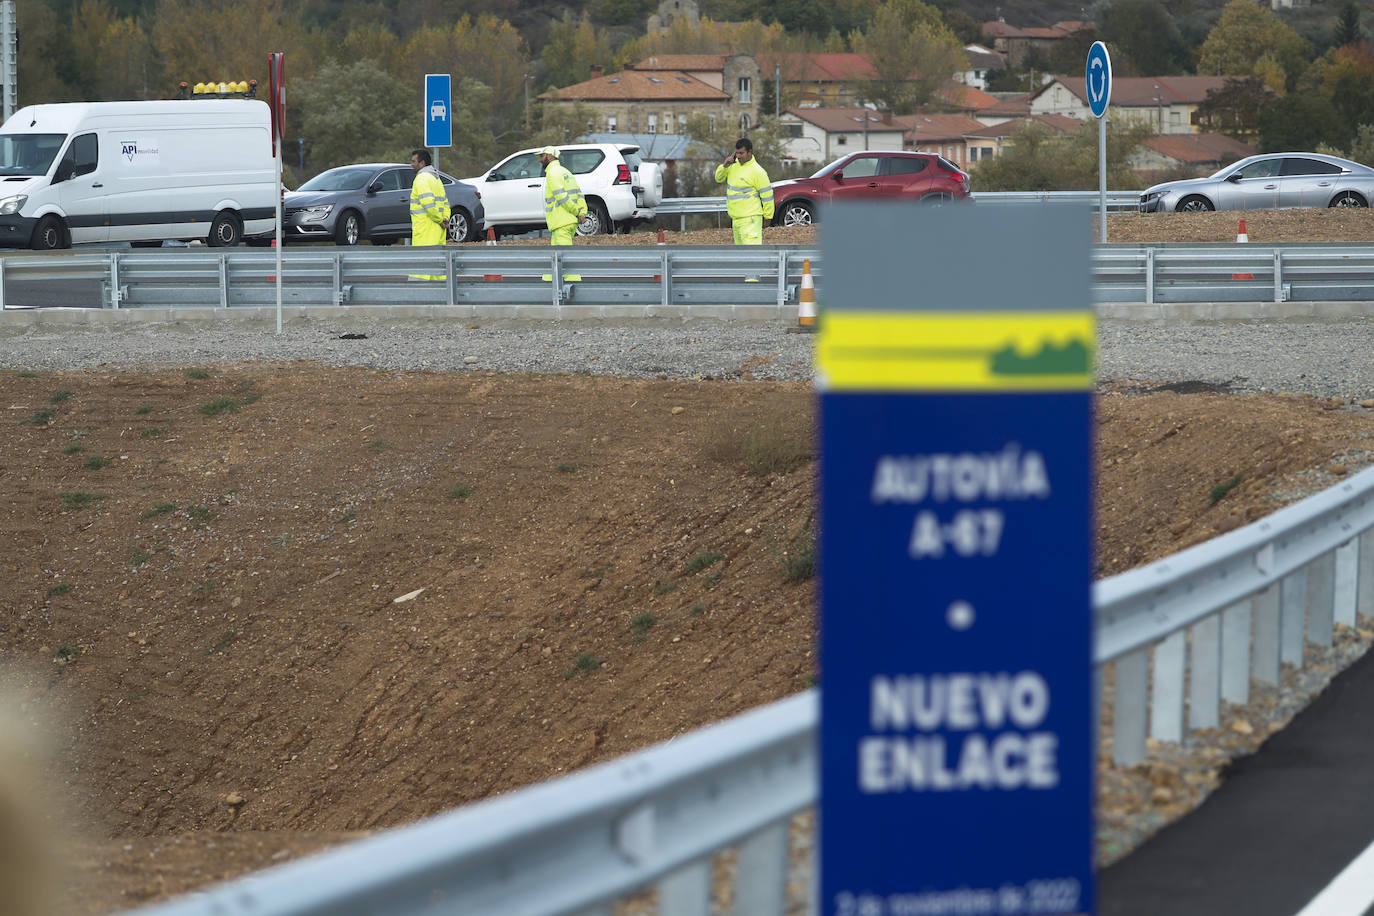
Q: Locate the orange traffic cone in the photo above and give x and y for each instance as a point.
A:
(806, 300)
(1241, 238)
(660, 236)
(491, 236)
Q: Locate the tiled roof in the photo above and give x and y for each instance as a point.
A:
(815, 68)
(1200, 148)
(1054, 122)
(957, 95)
(1143, 91)
(931, 127)
(635, 85)
(841, 120)
(1018, 107)
(682, 62)
(981, 58)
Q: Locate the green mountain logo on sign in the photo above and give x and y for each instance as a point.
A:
(1070, 359)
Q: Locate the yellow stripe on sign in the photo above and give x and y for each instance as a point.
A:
(956, 351)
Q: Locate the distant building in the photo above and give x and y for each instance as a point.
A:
(983, 65)
(1167, 103)
(671, 11)
(1201, 154)
(822, 134)
(1017, 43)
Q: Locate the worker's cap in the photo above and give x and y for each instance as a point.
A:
(549, 151)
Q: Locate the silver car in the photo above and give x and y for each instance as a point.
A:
(1268, 182)
(372, 201)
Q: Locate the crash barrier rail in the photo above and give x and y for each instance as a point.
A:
(1178, 636)
(740, 282)
(1117, 201)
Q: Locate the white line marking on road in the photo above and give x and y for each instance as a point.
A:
(1351, 892)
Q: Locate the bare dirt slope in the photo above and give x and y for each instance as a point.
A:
(200, 604)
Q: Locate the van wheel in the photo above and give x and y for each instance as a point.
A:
(349, 228)
(225, 231)
(49, 234)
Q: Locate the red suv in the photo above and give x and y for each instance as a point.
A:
(869, 175)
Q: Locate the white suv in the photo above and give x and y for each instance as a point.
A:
(620, 188)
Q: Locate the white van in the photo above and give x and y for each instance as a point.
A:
(140, 172)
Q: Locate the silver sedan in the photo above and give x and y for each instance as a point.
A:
(1268, 182)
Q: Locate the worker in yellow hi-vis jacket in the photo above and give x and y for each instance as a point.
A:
(564, 205)
(748, 193)
(429, 210)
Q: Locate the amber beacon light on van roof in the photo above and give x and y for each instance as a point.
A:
(214, 90)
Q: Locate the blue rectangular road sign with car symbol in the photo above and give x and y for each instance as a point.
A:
(956, 389)
(438, 103)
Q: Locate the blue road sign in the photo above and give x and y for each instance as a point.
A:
(438, 103)
(957, 758)
(1099, 79)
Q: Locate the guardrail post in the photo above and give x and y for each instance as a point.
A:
(1235, 652)
(1364, 576)
(224, 281)
(1321, 594)
(115, 296)
(1204, 675)
(782, 282)
(761, 879)
(1343, 602)
(1278, 275)
(450, 271)
(1292, 608)
(1267, 661)
(1166, 693)
(1129, 707)
(556, 277)
(1149, 276)
(338, 279)
(687, 891)
(667, 276)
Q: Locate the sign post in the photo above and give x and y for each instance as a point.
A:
(957, 753)
(438, 102)
(276, 77)
(1098, 79)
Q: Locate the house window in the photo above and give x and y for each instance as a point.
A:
(746, 90)
(987, 152)
(1175, 118)
(653, 123)
(744, 122)
(610, 124)
(682, 124)
(842, 140)
(667, 122)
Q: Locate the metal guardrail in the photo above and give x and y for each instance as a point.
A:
(743, 282)
(1211, 619)
(1117, 201)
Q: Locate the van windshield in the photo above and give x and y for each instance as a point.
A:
(338, 180)
(28, 154)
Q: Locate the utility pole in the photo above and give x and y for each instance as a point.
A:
(777, 90)
(9, 59)
(527, 106)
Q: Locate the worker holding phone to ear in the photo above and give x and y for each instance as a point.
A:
(748, 193)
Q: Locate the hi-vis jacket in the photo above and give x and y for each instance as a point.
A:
(747, 191)
(563, 201)
(428, 208)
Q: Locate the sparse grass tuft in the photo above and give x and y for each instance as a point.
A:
(60, 588)
(459, 491)
(43, 417)
(596, 572)
(139, 557)
(198, 374)
(218, 406)
(641, 625)
(204, 588)
(27, 373)
(59, 396)
(798, 556)
(1220, 490)
(199, 514)
(664, 588)
(96, 462)
(144, 409)
(586, 661)
(380, 445)
(697, 609)
(79, 499)
(773, 445)
(153, 432)
(159, 509)
(703, 560)
(568, 468)
(64, 652)
(74, 449)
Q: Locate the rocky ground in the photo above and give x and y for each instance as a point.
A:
(256, 609)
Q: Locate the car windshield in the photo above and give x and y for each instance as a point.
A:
(338, 180)
(828, 169)
(28, 154)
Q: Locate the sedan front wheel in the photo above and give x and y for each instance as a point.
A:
(1194, 204)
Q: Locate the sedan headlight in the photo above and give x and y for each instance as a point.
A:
(12, 205)
(319, 212)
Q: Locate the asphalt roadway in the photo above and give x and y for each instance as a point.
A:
(1285, 822)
